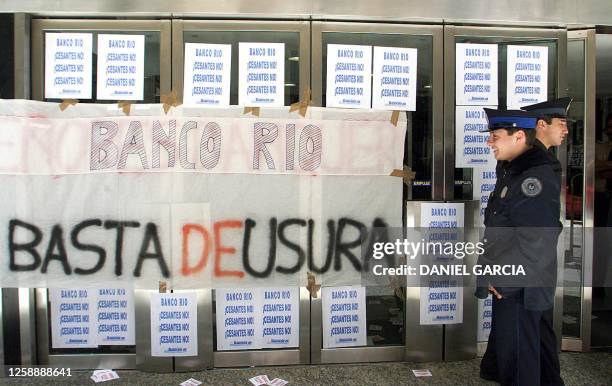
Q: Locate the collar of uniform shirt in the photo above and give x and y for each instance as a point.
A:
(539, 144)
(533, 157)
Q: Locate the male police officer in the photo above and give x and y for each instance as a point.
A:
(551, 130)
(551, 127)
(521, 220)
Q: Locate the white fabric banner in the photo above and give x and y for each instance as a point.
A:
(195, 230)
(340, 144)
(192, 229)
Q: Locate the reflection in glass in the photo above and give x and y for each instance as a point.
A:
(385, 316)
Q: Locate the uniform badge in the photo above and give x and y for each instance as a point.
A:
(503, 192)
(531, 187)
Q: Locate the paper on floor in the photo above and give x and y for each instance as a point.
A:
(104, 375)
(421, 373)
(260, 380)
(191, 382)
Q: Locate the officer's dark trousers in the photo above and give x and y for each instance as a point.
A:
(522, 348)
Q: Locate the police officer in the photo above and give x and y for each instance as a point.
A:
(521, 220)
(551, 127)
(551, 131)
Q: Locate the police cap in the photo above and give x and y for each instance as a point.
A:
(510, 119)
(556, 108)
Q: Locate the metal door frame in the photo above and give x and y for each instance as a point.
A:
(27, 312)
(450, 33)
(299, 355)
(43, 341)
(178, 45)
(583, 343)
(40, 26)
(427, 341)
(412, 339)
(457, 341)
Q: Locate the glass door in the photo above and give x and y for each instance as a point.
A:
(600, 315)
(458, 181)
(295, 36)
(51, 324)
(392, 317)
(484, 86)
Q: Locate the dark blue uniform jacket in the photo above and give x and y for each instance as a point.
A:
(522, 227)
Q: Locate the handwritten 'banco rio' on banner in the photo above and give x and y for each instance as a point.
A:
(333, 142)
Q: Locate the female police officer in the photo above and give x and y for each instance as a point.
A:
(521, 220)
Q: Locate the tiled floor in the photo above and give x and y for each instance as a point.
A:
(577, 369)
